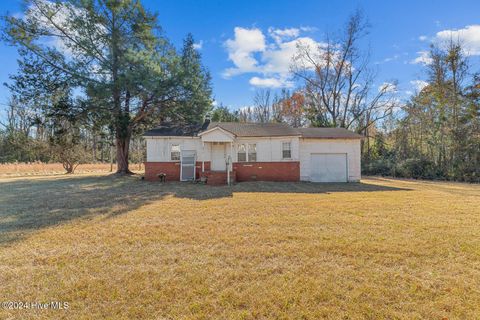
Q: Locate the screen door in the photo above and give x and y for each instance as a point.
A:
(187, 166)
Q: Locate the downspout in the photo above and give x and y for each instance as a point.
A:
(203, 156)
(228, 173)
(230, 162)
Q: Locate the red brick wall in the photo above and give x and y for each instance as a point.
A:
(171, 169)
(198, 168)
(219, 178)
(267, 171)
(244, 171)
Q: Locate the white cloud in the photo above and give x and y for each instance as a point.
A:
(418, 84)
(241, 49)
(468, 36)
(271, 82)
(392, 58)
(251, 52)
(279, 59)
(423, 58)
(198, 45)
(387, 87)
(280, 35)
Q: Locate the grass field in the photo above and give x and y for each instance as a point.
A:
(42, 169)
(122, 248)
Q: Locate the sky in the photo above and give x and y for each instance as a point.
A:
(247, 45)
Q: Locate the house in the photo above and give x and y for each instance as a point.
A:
(231, 151)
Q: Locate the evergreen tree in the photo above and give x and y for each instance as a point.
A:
(223, 114)
(106, 48)
(195, 86)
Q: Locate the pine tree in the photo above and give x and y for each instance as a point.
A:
(195, 86)
(106, 48)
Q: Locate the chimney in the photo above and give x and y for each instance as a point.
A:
(206, 122)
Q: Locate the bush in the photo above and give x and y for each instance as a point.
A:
(417, 169)
(380, 167)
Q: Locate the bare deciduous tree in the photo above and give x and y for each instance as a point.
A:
(262, 106)
(339, 83)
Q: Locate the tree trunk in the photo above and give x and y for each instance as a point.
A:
(123, 144)
(111, 157)
(94, 148)
(68, 166)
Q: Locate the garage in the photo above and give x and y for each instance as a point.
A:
(328, 167)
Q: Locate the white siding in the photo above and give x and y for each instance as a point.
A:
(269, 149)
(350, 147)
(217, 135)
(158, 149)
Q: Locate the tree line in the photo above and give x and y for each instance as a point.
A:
(437, 132)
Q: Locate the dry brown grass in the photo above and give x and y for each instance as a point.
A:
(42, 169)
(121, 248)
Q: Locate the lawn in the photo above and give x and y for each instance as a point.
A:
(19, 169)
(122, 248)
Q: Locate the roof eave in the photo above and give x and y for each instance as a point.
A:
(335, 138)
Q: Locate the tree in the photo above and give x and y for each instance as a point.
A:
(194, 100)
(223, 114)
(293, 109)
(262, 106)
(106, 48)
(338, 81)
(66, 145)
(437, 133)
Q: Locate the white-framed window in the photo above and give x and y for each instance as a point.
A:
(175, 152)
(242, 153)
(252, 152)
(286, 150)
(247, 152)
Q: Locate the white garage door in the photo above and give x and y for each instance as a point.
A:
(328, 167)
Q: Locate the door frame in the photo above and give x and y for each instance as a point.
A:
(224, 145)
(194, 165)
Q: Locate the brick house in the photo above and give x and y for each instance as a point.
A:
(217, 151)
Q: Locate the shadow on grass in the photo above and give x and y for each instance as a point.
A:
(27, 205)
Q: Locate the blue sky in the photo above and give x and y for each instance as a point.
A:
(245, 44)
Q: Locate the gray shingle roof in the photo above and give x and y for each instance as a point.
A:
(256, 129)
(170, 130)
(241, 129)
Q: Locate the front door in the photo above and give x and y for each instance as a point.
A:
(218, 157)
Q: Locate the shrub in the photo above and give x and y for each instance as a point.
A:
(380, 167)
(417, 169)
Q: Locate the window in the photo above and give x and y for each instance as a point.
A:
(252, 152)
(244, 156)
(242, 153)
(286, 150)
(175, 152)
